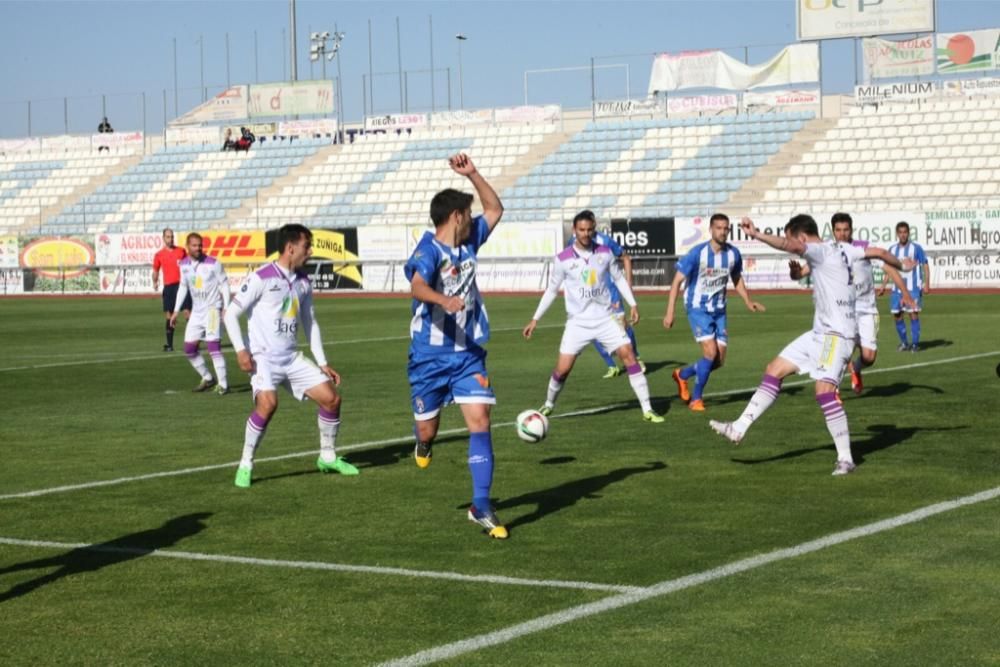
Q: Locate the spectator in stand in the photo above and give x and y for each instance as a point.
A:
(229, 144)
(246, 140)
(104, 128)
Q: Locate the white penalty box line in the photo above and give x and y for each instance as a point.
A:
(409, 438)
(549, 621)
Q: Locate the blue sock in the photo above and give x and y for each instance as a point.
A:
(915, 331)
(901, 330)
(608, 359)
(631, 336)
(481, 469)
(688, 371)
(703, 368)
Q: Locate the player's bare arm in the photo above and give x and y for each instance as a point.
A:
(421, 291)
(675, 289)
(627, 267)
(741, 289)
(927, 277)
(900, 284)
(492, 208)
(887, 257)
(794, 246)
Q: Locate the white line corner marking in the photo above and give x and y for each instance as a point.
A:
(578, 612)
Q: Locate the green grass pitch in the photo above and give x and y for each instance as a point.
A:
(309, 568)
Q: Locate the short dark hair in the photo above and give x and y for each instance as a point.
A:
(194, 235)
(585, 214)
(718, 216)
(802, 224)
(842, 217)
(447, 202)
(902, 224)
(291, 234)
(165, 230)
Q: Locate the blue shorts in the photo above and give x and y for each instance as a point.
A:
(440, 379)
(708, 326)
(896, 302)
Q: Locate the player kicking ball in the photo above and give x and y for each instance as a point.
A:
(824, 352)
(449, 330)
(707, 268)
(278, 301)
(205, 280)
(584, 269)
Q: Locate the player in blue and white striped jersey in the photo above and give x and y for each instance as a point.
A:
(917, 280)
(449, 329)
(706, 269)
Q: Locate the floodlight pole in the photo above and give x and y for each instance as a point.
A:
(291, 33)
(461, 83)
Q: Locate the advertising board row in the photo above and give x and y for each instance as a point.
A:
(263, 100)
(964, 246)
(918, 91)
(945, 53)
(73, 142)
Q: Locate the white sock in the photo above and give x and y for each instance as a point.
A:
(329, 426)
(556, 384)
(836, 423)
(219, 362)
(640, 386)
(200, 367)
(762, 399)
(256, 426)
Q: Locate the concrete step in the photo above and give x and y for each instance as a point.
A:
(90, 187)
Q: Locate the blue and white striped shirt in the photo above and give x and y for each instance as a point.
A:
(914, 278)
(452, 272)
(707, 273)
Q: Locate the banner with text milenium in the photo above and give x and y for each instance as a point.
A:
(830, 19)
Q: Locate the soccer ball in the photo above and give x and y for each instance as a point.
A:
(532, 426)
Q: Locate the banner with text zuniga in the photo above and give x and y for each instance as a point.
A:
(334, 248)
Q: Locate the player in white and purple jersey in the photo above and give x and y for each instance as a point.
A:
(601, 238)
(277, 299)
(706, 269)
(584, 270)
(866, 307)
(823, 352)
(449, 330)
(918, 282)
(204, 279)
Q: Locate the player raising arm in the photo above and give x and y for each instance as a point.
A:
(278, 300)
(823, 352)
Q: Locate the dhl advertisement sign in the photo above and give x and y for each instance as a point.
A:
(233, 247)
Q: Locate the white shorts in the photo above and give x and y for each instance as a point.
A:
(868, 330)
(822, 357)
(610, 333)
(203, 325)
(298, 376)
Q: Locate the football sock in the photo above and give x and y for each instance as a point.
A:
(915, 331)
(631, 336)
(836, 423)
(481, 469)
(857, 364)
(688, 371)
(762, 399)
(196, 361)
(608, 359)
(637, 379)
(170, 334)
(218, 361)
(329, 425)
(901, 330)
(556, 383)
(703, 367)
(256, 425)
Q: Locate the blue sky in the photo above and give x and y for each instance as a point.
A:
(81, 50)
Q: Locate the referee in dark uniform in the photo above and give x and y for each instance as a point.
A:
(166, 259)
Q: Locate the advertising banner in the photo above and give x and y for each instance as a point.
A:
(829, 19)
(126, 280)
(461, 118)
(231, 104)
(322, 127)
(698, 103)
(117, 140)
(231, 246)
(967, 87)
(11, 281)
(641, 237)
(975, 235)
(9, 256)
(782, 98)
(396, 121)
(194, 135)
(973, 51)
(300, 98)
(135, 249)
(66, 142)
(798, 63)
(617, 108)
(331, 246)
(529, 114)
(26, 145)
(58, 264)
(896, 92)
(886, 58)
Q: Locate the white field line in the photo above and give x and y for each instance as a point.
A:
(164, 355)
(408, 438)
(506, 635)
(329, 567)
